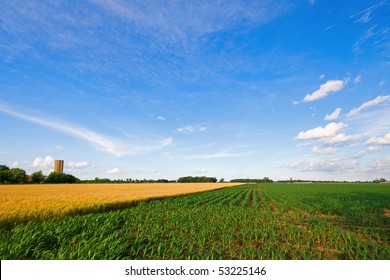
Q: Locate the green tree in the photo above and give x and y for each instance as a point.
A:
(17, 176)
(61, 178)
(203, 179)
(380, 180)
(37, 177)
(3, 168)
(5, 177)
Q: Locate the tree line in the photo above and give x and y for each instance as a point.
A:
(19, 176)
(264, 180)
(197, 179)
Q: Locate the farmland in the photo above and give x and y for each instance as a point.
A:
(42, 201)
(251, 221)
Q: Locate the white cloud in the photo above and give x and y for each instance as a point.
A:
(374, 148)
(15, 164)
(324, 151)
(78, 165)
(324, 90)
(381, 165)
(43, 162)
(341, 138)
(335, 115)
(329, 130)
(192, 129)
(358, 79)
(297, 164)
(332, 165)
(161, 118)
(369, 149)
(322, 76)
(385, 140)
(114, 171)
(98, 141)
(364, 106)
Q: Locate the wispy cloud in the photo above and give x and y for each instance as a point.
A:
(357, 79)
(335, 115)
(329, 27)
(381, 165)
(341, 138)
(176, 21)
(331, 165)
(366, 17)
(324, 151)
(192, 129)
(220, 154)
(78, 165)
(368, 104)
(98, 141)
(324, 90)
(368, 9)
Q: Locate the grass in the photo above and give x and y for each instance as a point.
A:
(253, 221)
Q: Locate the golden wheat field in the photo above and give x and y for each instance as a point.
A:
(21, 202)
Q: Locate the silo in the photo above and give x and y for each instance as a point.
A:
(59, 166)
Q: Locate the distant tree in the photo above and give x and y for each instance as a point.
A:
(203, 179)
(5, 177)
(162, 181)
(37, 177)
(61, 178)
(4, 174)
(17, 176)
(267, 180)
(264, 180)
(3, 168)
(222, 180)
(380, 180)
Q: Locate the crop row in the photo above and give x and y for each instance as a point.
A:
(244, 222)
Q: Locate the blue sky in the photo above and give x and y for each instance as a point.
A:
(229, 89)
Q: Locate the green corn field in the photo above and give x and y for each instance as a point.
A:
(252, 221)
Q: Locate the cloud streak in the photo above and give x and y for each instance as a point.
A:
(192, 129)
(341, 138)
(220, 154)
(176, 22)
(368, 104)
(98, 141)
